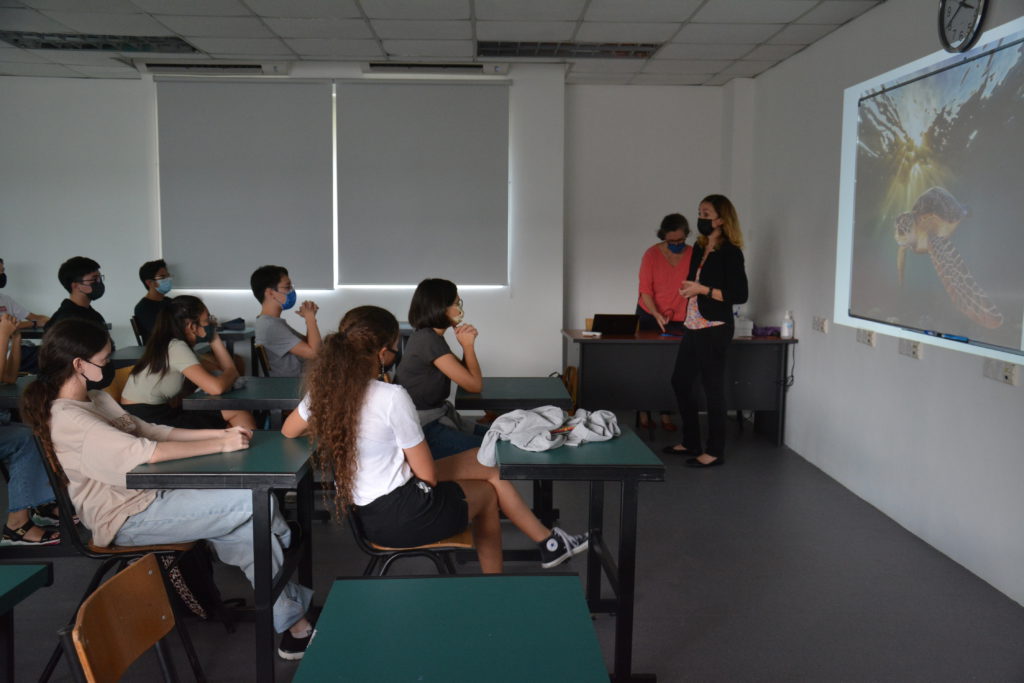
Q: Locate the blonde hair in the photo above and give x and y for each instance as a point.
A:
(730, 221)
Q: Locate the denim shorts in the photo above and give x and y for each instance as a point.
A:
(444, 440)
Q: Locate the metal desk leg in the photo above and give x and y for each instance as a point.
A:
(264, 582)
(627, 588)
(252, 356)
(7, 647)
(595, 524)
(304, 510)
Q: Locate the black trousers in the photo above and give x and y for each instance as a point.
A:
(702, 355)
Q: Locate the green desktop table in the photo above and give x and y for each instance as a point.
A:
(272, 462)
(627, 460)
(124, 356)
(17, 582)
(273, 394)
(515, 393)
(449, 629)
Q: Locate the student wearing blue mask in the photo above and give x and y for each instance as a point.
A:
(158, 282)
(287, 349)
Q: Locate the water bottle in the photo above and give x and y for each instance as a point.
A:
(786, 331)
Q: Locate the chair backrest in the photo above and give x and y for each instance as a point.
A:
(123, 618)
(68, 530)
(261, 360)
(121, 376)
(139, 337)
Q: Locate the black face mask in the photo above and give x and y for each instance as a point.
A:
(108, 371)
(704, 226)
(97, 290)
(3, 280)
(209, 331)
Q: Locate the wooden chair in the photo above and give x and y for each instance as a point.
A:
(139, 338)
(121, 620)
(109, 556)
(439, 552)
(116, 387)
(260, 361)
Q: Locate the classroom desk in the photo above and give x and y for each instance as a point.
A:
(126, 355)
(635, 373)
(627, 460)
(273, 394)
(229, 337)
(271, 462)
(10, 393)
(17, 582)
(455, 628)
(515, 393)
(37, 332)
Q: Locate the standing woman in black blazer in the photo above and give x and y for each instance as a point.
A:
(716, 281)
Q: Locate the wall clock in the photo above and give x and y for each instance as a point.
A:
(960, 23)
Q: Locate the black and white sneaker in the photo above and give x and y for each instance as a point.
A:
(560, 546)
(292, 648)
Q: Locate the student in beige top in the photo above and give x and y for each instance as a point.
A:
(97, 443)
(157, 384)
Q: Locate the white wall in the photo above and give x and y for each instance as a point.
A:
(78, 175)
(633, 155)
(931, 443)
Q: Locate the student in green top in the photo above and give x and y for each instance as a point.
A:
(154, 390)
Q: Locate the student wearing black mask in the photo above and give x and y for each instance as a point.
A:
(27, 320)
(82, 279)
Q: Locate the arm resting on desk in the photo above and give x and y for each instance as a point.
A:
(188, 443)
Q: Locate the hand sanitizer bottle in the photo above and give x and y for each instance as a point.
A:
(786, 331)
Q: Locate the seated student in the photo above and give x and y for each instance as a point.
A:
(26, 320)
(81, 277)
(154, 390)
(286, 349)
(158, 283)
(371, 442)
(329, 388)
(97, 443)
(28, 489)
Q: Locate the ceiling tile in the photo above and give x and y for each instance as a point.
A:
(342, 9)
(774, 53)
(686, 66)
(608, 65)
(641, 10)
(217, 27)
(596, 32)
(720, 79)
(801, 34)
(726, 33)
(529, 10)
(748, 68)
(702, 51)
(416, 9)
(322, 48)
(399, 29)
(44, 70)
(837, 11)
(325, 27)
(670, 79)
(29, 20)
(106, 71)
(757, 12)
(83, 57)
(587, 78)
(13, 54)
(241, 46)
(429, 48)
(111, 24)
(213, 8)
(112, 6)
(542, 31)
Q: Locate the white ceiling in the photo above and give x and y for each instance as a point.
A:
(705, 42)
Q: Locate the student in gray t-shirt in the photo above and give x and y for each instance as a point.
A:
(287, 350)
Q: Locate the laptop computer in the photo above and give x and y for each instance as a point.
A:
(615, 323)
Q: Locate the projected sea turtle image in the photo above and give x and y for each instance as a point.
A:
(926, 229)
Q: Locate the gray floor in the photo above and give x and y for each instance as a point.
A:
(762, 570)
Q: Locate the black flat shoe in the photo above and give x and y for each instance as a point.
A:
(694, 462)
(672, 450)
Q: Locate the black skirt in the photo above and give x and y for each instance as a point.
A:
(415, 514)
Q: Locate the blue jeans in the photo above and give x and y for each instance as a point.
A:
(444, 440)
(224, 518)
(28, 485)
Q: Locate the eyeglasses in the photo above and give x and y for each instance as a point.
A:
(90, 283)
(287, 290)
(96, 365)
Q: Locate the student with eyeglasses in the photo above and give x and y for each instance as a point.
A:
(287, 349)
(82, 279)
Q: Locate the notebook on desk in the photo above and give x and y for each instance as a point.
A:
(615, 323)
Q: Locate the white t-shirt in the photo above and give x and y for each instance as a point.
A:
(388, 425)
(9, 305)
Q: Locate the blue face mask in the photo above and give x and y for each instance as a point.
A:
(289, 301)
(676, 248)
(164, 285)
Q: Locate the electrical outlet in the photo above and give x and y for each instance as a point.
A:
(819, 324)
(866, 337)
(910, 348)
(1001, 371)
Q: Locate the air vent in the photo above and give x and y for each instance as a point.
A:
(97, 43)
(462, 69)
(485, 48)
(212, 68)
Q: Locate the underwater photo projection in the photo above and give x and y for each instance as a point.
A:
(938, 225)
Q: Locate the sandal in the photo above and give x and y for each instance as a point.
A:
(49, 513)
(17, 536)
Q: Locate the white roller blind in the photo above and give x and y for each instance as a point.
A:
(245, 180)
(422, 182)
